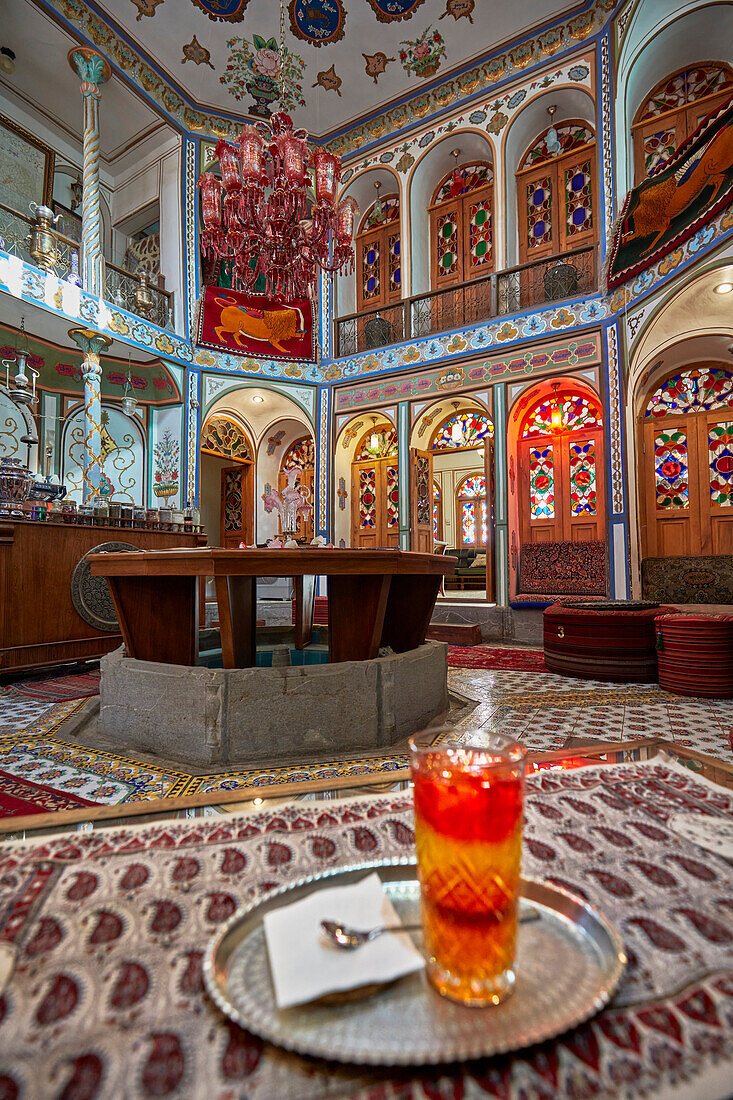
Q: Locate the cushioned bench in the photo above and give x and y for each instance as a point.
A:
(570, 569)
(468, 573)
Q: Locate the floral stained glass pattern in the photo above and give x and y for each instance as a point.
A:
(692, 391)
(539, 212)
(468, 522)
(658, 148)
(570, 135)
(578, 199)
(447, 244)
(475, 429)
(671, 476)
(393, 497)
(436, 510)
(578, 414)
(720, 447)
(542, 482)
(583, 477)
(300, 456)
(469, 177)
(368, 499)
(480, 233)
(386, 445)
(222, 437)
(474, 486)
(685, 87)
(371, 281)
(395, 263)
(472, 504)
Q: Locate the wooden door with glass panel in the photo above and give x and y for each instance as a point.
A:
(237, 506)
(461, 245)
(687, 467)
(561, 482)
(379, 273)
(421, 501)
(375, 519)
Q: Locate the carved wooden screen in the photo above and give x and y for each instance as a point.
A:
(687, 467)
(673, 110)
(556, 193)
(421, 501)
(461, 226)
(237, 506)
(300, 456)
(437, 512)
(378, 255)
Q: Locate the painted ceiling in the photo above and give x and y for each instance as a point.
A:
(344, 58)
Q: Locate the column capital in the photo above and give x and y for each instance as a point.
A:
(92, 69)
(88, 341)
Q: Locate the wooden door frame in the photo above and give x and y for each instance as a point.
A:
(248, 500)
(552, 168)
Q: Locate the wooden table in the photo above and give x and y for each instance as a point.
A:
(375, 598)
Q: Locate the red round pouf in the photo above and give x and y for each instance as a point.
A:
(614, 640)
(695, 654)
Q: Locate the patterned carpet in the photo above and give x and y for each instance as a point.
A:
(55, 688)
(496, 657)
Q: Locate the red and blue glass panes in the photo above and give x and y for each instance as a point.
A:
(671, 476)
(472, 504)
(658, 148)
(393, 497)
(475, 429)
(382, 212)
(469, 177)
(447, 244)
(541, 482)
(436, 510)
(578, 199)
(579, 413)
(379, 443)
(583, 477)
(570, 135)
(696, 390)
(368, 498)
(468, 522)
(539, 212)
(685, 87)
(370, 274)
(720, 451)
(395, 263)
(301, 455)
(480, 231)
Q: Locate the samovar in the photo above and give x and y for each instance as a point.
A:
(15, 485)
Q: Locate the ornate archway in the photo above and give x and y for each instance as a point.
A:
(375, 488)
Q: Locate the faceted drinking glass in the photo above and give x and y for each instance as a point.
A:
(468, 830)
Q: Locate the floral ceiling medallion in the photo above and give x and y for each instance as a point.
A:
(391, 11)
(422, 56)
(318, 22)
(223, 11)
(145, 7)
(255, 69)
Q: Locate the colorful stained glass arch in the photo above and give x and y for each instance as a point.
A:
(699, 389)
(570, 135)
(386, 444)
(580, 412)
(475, 430)
(223, 437)
(300, 455)
(382, 211)
(469, 177)
(684, 87)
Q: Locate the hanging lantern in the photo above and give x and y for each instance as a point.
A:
(327, 170)
(252, 154)
(143, 296)
(129, 401)
(346, 215)
(556, 418)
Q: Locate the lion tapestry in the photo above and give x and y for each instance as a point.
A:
(251, 324)
(664, 210)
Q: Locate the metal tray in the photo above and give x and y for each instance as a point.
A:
(568, 965)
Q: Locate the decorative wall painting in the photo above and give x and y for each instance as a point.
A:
(392, 11)
(318, 22)
(223, 11)
(26, 168)
(251, 324)
(376, 63)
(422, 56)
(329, 80)
(259, 69)
(668, 208)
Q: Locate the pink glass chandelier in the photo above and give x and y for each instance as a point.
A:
(262, 216)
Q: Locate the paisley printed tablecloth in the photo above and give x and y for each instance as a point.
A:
(110, 926)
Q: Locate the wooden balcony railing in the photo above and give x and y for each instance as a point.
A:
(554, 279)
(120, 285)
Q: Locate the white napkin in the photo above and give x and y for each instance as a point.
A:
(304, 966)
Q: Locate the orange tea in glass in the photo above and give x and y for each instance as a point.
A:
(468, 831)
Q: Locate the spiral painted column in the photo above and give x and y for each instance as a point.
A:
(91, 344)
(93, 71)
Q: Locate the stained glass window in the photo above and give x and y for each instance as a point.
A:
(468, 177)
(368, 498)
(578, 413)
(720, 448)
(447, 243)
(570, 135)
(393, 496)
(685, 87)
(480, 233)
(382, 212)
(692, 390)
(658, 148)
(475, 430)
(671, 478)
(583, 477)
(395, 263)
(468, 522)
(473, 486)
(386, 439)
(300, 455)
(542, 482)
(226, 439)
(436, 510)
(472, 504)
(371, 282)
(578, 199)
(539, 212)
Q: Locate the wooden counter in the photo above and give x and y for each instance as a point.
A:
(39, 622)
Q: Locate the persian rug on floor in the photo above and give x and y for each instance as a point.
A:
(19, 797)
(510, 660)
(58, 688)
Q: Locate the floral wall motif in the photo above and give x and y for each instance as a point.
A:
(258, 70)
(123, 454)
(422, 56)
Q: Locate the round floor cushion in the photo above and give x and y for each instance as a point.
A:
(602, 642)
(695, 654)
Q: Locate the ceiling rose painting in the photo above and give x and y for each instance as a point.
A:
(391, 11)
(258, 69)
(319, 22)
(225, 11)
(422, 56)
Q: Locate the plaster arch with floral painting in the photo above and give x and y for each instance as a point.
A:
(350, 288)
(662, 38)
(557, 467)
(366, 480)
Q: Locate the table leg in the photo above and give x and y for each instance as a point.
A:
(236, 598)
(356, 606)
(158, 617)
(409, 610)
(305, 594)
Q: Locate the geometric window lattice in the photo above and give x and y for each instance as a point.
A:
(577, 414)
(447, 243)
(467, 178)
(370, 270)
(367, 498)
(720, 447)
(658, 148)
(475, 428)
(583, 477)
(395, 270)
(436, 509)
(300, 456)
(393, 495)
(480, 232)
(570, 135)
(386, 440)
(692, 391)
(387, 210)
(671, 477)
(541, 482)
(539, 212)
(224, 438)
(578, 199)
(685, 87)
(232, 500)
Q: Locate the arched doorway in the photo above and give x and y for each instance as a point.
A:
(461, 225)
(223, 438)
(561, 484)
(300, 456)
(375, 488)
(686, 472)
